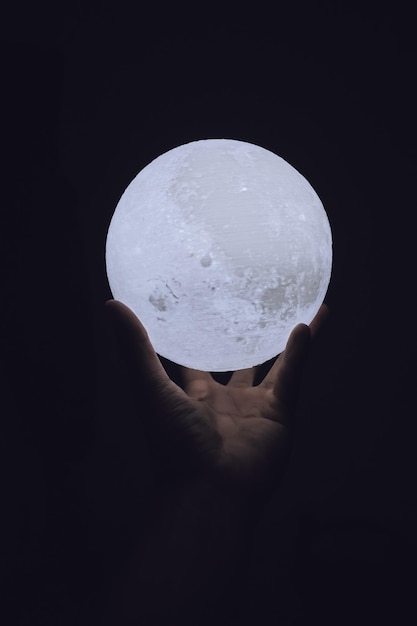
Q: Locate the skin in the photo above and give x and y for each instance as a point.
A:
(237, 434)
(219, 452)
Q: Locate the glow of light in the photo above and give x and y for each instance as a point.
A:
(220, 247)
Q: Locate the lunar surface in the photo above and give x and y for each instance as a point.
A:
(220, 247)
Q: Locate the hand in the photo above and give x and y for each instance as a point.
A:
(237, 435)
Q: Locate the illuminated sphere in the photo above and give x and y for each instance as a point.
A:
(220, 247)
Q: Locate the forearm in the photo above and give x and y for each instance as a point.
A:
(191, 559)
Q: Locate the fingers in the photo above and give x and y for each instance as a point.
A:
(315, 327)
(296, 337)
(196, 383)
(142, 360)
(243, 378)
(289, 367)
(319, 320)
(291, 362)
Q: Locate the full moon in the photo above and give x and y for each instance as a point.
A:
(220, 247)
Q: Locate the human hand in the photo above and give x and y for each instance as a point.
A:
(235, 435)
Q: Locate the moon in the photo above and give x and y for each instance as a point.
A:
(220, 247)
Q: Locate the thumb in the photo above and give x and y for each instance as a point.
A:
(157, 396)
(144, 366)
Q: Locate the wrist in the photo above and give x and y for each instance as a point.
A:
(215, 503)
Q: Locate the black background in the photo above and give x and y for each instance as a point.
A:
(90, 95)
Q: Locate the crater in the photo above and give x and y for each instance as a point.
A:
(206, 260)
(158, 302)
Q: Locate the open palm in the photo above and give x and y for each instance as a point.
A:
(235, 433)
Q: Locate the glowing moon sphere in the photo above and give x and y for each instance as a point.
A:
(220, 247)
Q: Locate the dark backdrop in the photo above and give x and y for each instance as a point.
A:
(92, 93)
